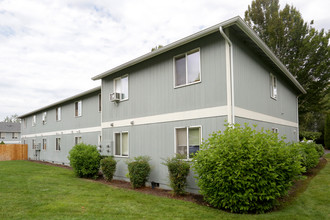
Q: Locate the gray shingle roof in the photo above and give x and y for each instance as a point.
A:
(10, 127)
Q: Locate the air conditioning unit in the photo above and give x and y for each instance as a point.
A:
(115, 97)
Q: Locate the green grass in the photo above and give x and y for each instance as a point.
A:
(35, 191)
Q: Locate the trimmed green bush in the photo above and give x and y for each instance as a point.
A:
(309, 135)
(85, 160)
(138, 171)
(327, 132)
(309, 154)
(245, 171)
(2, 142)
(178, 170)
(108, 167)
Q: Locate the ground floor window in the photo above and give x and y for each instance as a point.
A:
(44, 143)
(121, 144)
(188, 140)
(77, 140)
(33, 144)
(58, 143)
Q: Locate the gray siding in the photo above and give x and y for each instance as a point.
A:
(151, 84)
(90, 118)
(8, 138)
(252, 85)
(157, 141)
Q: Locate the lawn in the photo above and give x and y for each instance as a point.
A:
(36, 191)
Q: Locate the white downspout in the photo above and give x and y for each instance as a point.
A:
(231, 74)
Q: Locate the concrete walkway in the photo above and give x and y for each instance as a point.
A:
(326, 151)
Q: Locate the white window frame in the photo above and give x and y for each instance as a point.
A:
(275, 130)
(44, 118)
(200, 69)
(58, 147)
(99, 140)
(14, 135)
(2, 135)
(187, 130)
(34, 120)
(121, 144)
(33, 143)
(58, 114)
(79, 138)
(114, 86)
(273, 87)
(78, 113)
(100, 102)
(44, 144)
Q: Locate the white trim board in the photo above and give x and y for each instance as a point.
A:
(170, 117)
(71, 131)
(243, 113)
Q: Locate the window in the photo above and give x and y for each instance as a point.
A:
(58, 143)
(2, 135)
(44, 118)
(77, 108)
(58, 113)
(25, 122)
(100, 103)
(24, 141)
(273, 86)
(44, 143)
(275, 130)
(121, 144)
(121, 86)
(187, 68)
(99, 141)
(15, 135)
(33, 144)
(77, 140)
(34, 120)
(188, 140)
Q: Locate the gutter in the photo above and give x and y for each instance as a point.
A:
(231, 75)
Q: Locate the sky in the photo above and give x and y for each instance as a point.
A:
(50, 49)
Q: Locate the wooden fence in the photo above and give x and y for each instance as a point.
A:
(13, 152)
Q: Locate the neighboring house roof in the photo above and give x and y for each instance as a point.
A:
(239, 25)
(10, 127)
(62, 101)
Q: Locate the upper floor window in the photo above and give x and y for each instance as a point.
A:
(121, 144)
(121, 87)
(2, 135)
(78, 108)
(15, 135)
(273, 86)
(100, 102)
(188, 140)
(34, 120)
(58, 114)
(44, 118)
(187, 68)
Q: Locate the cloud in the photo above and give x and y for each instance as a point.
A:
(51, 49)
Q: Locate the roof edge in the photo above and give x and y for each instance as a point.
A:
(62, 101)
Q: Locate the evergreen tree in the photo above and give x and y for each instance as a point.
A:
(301, 48)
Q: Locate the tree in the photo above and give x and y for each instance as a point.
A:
(156, 47)
(13, 118)
(301, 48)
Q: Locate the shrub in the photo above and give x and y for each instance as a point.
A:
(243, 170)
(108, 167)
(309, 135)
(138, 171)
(178, 170)
(327, 132)
(2, 142)
(85, 160)
(309, 154)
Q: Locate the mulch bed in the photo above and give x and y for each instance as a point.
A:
(298, 187)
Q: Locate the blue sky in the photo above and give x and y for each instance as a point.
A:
(49, 50)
